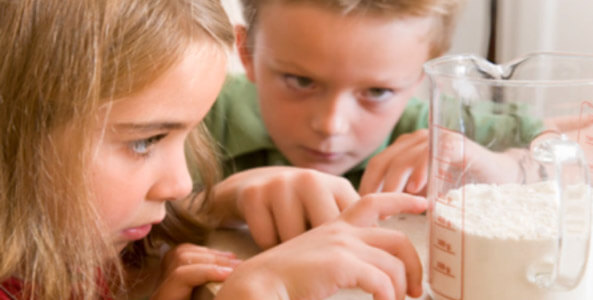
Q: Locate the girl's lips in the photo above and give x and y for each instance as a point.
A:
(137, 233)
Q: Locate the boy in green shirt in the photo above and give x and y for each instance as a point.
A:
(327, 90)
(331, 82)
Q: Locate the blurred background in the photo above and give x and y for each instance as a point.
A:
(505, 29)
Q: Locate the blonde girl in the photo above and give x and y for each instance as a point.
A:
(92, 142)
(98, 102)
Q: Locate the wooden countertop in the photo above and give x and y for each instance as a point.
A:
(239, 242)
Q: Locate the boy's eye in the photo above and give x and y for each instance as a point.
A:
(299, 82)
(377, 94)
(142, 147)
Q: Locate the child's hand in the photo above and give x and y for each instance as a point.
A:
(476, 163)
(187, 266)
(348, 252)
(279, 203)
(403, 166)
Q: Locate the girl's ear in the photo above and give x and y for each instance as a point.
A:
(244, 50)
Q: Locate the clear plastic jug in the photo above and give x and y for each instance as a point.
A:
(509, 189)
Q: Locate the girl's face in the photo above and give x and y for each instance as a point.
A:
(332, 87)
(139, 161)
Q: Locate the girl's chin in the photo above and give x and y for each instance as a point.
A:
(120, 245)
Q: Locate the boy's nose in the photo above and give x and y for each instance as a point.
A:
(174, 181)
(331, 118)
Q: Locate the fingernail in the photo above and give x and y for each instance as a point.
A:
(418, 290)
(235, 262)
(224, 270)
(227, 253)
(421, 202)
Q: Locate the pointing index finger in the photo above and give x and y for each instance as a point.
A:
(373, 207)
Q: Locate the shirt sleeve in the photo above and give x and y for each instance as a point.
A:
(414, 117)
(497, 126)
(235, 121)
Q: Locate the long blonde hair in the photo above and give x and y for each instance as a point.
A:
(443, 13)
(60, 60)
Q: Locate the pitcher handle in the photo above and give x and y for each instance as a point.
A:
(574, 224)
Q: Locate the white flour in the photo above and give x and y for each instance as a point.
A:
(506, 230)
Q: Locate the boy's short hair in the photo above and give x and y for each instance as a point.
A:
(443, 12)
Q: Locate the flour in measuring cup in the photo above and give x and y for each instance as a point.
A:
(507, 230)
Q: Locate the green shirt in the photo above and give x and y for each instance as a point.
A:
(236, 124)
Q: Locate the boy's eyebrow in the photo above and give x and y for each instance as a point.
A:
(151, 126)
(402, 83)
(287, 64)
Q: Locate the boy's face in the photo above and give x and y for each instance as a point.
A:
(332, 87)
(139, 161)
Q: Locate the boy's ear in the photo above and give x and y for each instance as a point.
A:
(243, 48)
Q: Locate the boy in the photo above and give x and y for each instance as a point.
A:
(333, 81)
(327, 88)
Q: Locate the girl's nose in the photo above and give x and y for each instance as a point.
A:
(174, 180)
(332, 117)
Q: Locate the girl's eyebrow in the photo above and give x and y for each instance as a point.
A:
(150, 126)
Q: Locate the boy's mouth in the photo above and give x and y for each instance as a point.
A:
(323, 155)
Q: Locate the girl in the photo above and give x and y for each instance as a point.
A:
(95, 98)
(98, 101)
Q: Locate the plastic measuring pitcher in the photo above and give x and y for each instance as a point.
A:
(509, 190)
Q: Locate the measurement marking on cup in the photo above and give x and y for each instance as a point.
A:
(450, 163)
(446, 201)
(443, 269)
(444, 246)
(445, 175)
(444, 223)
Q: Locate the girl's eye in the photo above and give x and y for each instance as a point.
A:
(142, 147)
(299, 82)
(377, 94)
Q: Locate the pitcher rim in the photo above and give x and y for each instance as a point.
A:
(431, 69)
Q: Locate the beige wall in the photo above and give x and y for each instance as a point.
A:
(544, 25)
(524, 26)
(471, 34)
(233, 9)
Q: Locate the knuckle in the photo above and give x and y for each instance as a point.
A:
(309, 176)
(250, 193)
(179, 250)
(398, 239)
(337, 232)
(369, 201)
(383, 281)
(178, 272)
(342, 181)
(339, 256)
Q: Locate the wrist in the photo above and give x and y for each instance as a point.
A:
(252, 284)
